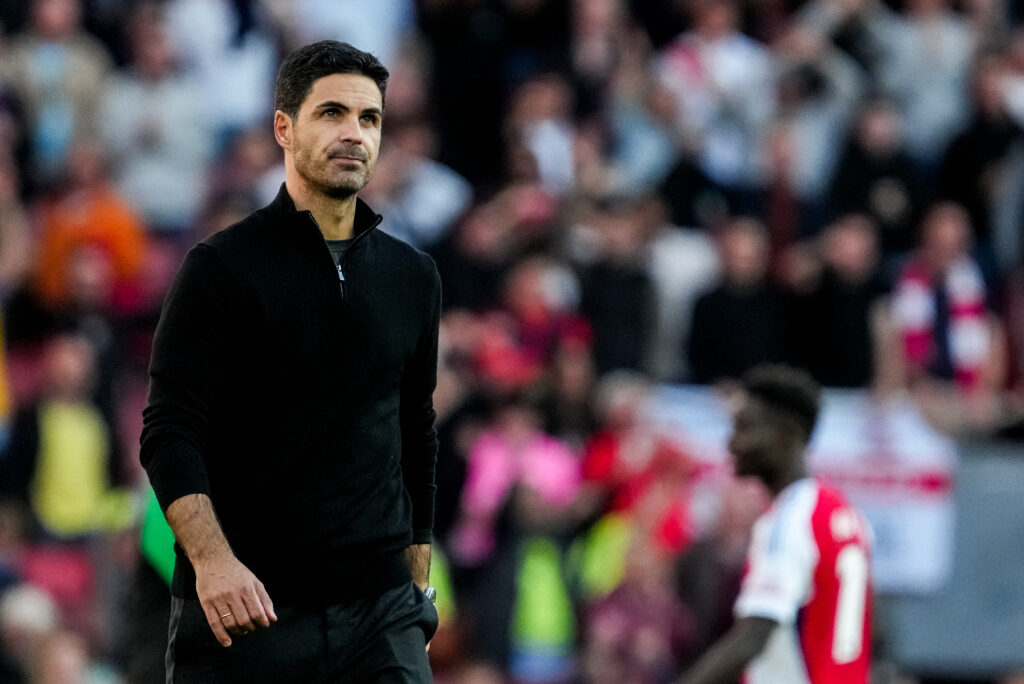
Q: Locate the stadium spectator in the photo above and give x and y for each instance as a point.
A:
(63, 657)
(466, 44)
(379, 26)
(740, 322)
(926, 72)
(635, 475)
(864, 29)
(223, 47)
(540, 122)
(975, 167)
(519, 482)
(642, 632)
(513, 463)
(723, 82)
(59, 459)
(681, 263)
(819, 87)
(940, 308)
(566, 394)
(833, 322)
(91, 242)
(875, 178)
(938, 335)
(476, 257)
(28, 615)
(58, 71)
(487, 50)
(61, 464)
(619, 451)
(537, 317)
(603, 37)
(785, 215)
(616, 290)
(155, 129)
(643, 143)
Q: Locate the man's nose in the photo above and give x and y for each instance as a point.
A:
(349, 129)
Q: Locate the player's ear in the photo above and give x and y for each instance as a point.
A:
(283, 129)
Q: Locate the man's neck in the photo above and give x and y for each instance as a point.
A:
(334, 217)
(785, 478)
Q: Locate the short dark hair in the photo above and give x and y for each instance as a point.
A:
(310, 62)
(788, 390)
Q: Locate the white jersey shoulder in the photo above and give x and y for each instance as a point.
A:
(780, 580)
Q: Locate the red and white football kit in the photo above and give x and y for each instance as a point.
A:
(809, 569)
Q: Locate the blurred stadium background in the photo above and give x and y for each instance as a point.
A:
(630, 202)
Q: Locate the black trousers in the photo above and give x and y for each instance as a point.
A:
(380, 639)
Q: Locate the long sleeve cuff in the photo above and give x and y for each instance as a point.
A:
(175, 469)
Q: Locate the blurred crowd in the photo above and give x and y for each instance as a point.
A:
(617, 193)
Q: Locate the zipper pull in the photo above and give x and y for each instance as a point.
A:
(341, 281)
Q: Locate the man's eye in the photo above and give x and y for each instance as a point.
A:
(330, 112)
(370, 119)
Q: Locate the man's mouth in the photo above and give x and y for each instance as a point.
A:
(348, 155)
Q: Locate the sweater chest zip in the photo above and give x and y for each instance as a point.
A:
(358, 237)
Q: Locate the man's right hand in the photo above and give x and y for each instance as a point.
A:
(232, 597)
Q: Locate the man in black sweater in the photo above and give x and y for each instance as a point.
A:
(739, 323)
(290, 434)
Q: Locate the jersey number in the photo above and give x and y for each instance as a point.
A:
(848, 633)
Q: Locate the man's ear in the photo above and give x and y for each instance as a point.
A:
(283, 131)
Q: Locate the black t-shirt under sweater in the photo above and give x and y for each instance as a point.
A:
(338, 249)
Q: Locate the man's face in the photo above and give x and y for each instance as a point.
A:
(336, 134)
(756, 441)
(744, 253)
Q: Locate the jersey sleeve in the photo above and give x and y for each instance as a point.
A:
(781, 562)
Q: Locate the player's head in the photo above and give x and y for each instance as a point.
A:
(774, 417)
(329, 104)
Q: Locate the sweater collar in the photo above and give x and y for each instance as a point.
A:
(366, 219)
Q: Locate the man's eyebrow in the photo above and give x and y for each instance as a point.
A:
(333, 104)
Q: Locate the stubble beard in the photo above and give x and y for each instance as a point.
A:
(340, 185)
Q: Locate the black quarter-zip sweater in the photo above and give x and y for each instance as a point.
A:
(299, 402)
